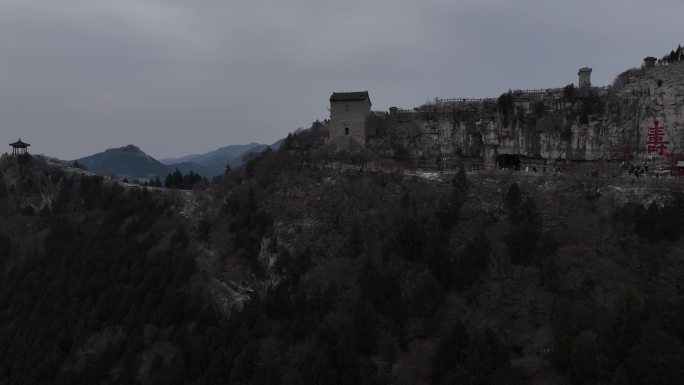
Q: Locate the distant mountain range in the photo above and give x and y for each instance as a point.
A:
(131, 162)
(223, 155)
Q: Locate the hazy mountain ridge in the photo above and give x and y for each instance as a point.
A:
(212, 157)
(215, 161)
(131, 162)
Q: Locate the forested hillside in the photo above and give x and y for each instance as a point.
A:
(310, 267)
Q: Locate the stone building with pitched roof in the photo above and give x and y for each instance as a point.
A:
(349, 112)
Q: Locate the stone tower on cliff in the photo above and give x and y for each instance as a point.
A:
(349, 113)
(584, 78)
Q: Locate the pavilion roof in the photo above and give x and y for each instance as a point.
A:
(19, 144)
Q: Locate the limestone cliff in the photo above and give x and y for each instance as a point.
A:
(568, 123)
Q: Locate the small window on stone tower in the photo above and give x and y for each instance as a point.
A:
(346, 108)
(346, 130)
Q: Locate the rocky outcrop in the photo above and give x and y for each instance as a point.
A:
(553, 124)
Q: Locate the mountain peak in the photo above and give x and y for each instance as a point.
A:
(127, 161)
(131, 148)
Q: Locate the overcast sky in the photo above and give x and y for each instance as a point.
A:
(178, 76)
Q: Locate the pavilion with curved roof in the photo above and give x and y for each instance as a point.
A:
(19, 147)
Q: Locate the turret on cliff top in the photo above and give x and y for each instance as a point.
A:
(584, 78)
(650, 62)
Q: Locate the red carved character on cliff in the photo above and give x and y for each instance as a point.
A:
(656, 140)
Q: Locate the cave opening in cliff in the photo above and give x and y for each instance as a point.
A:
(508, 161)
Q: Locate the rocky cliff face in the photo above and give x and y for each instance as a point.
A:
(555, 124)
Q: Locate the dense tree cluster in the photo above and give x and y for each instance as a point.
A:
(471, 358)
(674, 55)
(505, 105)
(526, 243)
(633, 343)
(422, 240)
(570, 92)
(102, 275)
(249, 225)
(592, 104)
(95, 275)
(177, 180)
(382, 288)
(471, 262)
(5, 245)
(3, 188)
(367, 327)
(539, 109)
(156, 182)
(653, 223)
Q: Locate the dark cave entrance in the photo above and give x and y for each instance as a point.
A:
(509, 161)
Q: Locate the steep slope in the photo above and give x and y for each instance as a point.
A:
(421, 278)
(125, 162)
(93, 263)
